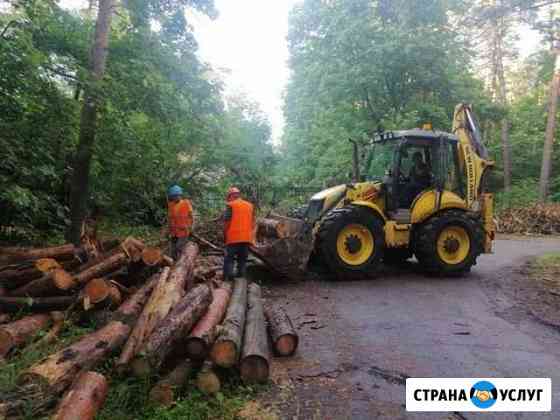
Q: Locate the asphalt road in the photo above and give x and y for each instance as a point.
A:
(361, 339)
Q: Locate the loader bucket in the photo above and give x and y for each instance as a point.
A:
(289, 254)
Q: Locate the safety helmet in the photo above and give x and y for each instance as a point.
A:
(174, 191)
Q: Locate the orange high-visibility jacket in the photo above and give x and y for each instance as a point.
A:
(239, 229)
(180, 218)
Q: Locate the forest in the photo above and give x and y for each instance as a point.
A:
(102, 109)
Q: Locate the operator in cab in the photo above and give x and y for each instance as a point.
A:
(239, 222)
(420, 177)
(180, 220)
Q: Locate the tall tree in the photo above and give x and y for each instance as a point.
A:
(88, 122)
(546, 168)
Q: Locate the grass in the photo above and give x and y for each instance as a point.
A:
(549, 260)
(128, 396)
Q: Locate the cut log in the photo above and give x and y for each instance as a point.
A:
(15, 276)
(56, 282)
(255, 356)
(203, 335)
(10, 304)
(84, 398)
(57, 326)
(169, 291)
(166, 294)
(96, 291)
(270, 228)
(164, 392)
(282, 333)
(226, 350)
(5, 318)
(169, 333)
(106, 266)
(207, 380)
(57, 371)
(3, 291)
(115, 296)
(59, 253)
(152, 256)
(206, 242)
(18, 333)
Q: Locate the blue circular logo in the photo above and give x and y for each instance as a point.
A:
(484, 394)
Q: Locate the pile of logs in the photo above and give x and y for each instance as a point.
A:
(540, 219)
(176, 321)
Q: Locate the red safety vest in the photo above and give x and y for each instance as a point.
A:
(239, 229)
(180, 218)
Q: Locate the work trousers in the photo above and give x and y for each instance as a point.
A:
(235, 252)
(176, 246)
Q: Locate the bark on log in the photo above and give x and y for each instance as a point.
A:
(84, 398)
(15, 276)
(169, 291)
(166, 294)
(203, 335)
(56, 372)
(207, 380)
(59, 253)
(169, 333)
(282, 333)
(106, 266)
(164, 392)
(57, 326)
(41, 304)
(54, 283)
(225, 351)
(3, 291)
(270, 228)
(17, 333)
(255, 356)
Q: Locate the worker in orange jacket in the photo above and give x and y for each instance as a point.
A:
(180, 217)
(238, 233)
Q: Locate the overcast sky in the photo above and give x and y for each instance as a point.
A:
(249, 39)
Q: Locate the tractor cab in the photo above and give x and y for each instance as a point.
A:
(410, 162)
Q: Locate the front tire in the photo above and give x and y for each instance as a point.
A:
(449, 243)
(351, 242)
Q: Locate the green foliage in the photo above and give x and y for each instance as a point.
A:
(162, 119)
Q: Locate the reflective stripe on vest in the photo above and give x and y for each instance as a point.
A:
(179, 218)
(240, 229)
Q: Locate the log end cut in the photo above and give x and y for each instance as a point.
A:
(286, 345)
(163, 395)
(62, 279)
(152, 256)
(224, 354)
(254, 369)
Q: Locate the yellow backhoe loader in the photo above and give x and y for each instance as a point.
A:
(420, 192)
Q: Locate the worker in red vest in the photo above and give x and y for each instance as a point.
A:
(180, 217)
(238, 233)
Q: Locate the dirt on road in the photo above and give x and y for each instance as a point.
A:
(360, 340)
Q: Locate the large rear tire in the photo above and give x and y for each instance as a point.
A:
(449, 243)
(351, 242)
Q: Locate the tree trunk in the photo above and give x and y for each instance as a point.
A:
(546, 167)
(59, 369)
(282, 333)
(255, 356)
(59, 253)
(17, 275)
(18, 333)
(503, 99)
(207, 380)
(169, 291)
(225, 351)
(167, 336)
(79, 190)
(10, 304)
(204, 333)
(84, 399)
(55, 283)
(106, 266)
(164, 393)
